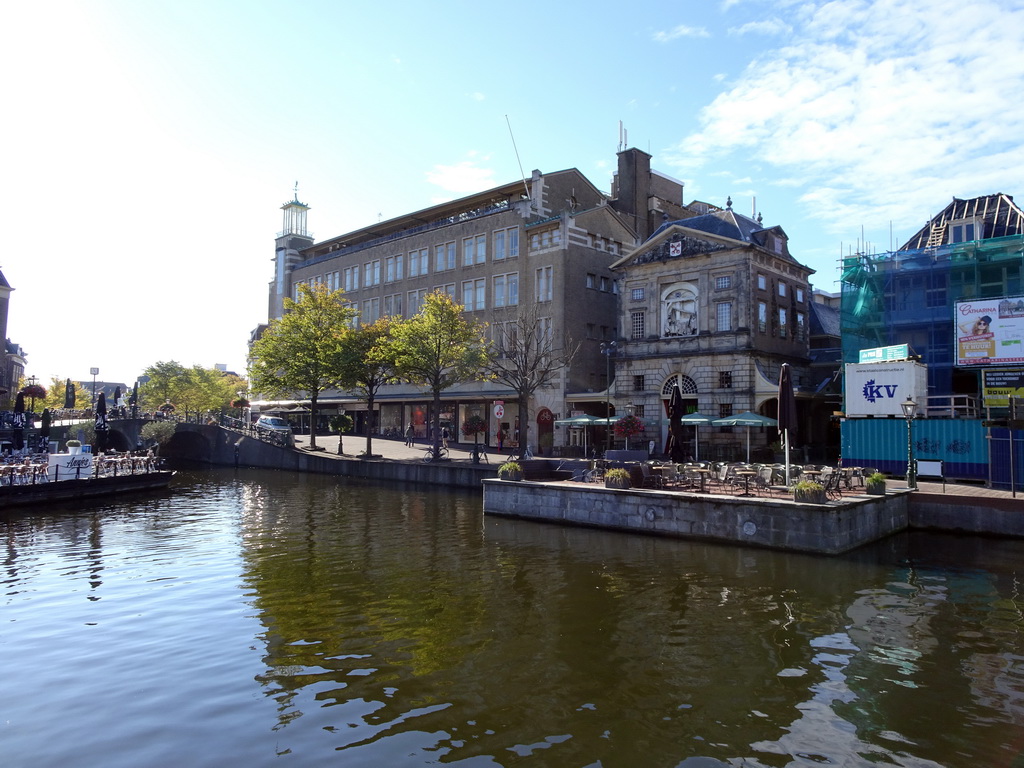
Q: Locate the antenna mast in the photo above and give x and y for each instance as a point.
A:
(525, 185)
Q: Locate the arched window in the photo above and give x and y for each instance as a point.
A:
(687, 386)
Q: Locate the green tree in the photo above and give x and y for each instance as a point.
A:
(527, 357)
(438, 348)
(194, 389)
(302, 353)
(368, 364)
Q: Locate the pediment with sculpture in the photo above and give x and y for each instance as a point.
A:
(678, 246)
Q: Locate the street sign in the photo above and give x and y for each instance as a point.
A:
(499, 411)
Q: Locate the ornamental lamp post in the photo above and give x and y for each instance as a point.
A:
(608, 350)
(909, 412)
(95, 373)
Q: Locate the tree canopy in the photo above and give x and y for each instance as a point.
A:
(438, 348)
(368, 363)
(303, 352)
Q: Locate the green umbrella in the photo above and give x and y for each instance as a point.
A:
(746, 419)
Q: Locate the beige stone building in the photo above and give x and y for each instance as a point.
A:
(714, 303)
(547, 241)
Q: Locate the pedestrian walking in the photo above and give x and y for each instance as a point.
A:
(444, 437)
(501, 440)
(410, 436)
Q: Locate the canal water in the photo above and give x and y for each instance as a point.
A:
(258, 619)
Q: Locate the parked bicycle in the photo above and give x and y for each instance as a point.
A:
(428, 454)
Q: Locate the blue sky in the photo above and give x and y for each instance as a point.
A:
(148, 146)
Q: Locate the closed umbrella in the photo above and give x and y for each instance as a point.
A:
(117, 397)
(69, 395)
(746, 419)
(44, 431)
(787, 411)
(18, 436)
(676, 411)
(102, 428)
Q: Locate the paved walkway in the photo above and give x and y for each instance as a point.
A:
(397, 450)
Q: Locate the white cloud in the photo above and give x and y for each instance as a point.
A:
(463, 178)
(769, 27)
(881, 110)
(675, 33)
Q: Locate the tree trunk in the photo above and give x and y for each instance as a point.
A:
(524, 425)
(369, 425)
(436, 441)
(312, 422)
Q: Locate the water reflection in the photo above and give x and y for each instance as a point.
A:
(400, 627)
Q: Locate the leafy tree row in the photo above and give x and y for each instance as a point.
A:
(317, 345)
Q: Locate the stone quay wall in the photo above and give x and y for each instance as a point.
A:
(755, 521)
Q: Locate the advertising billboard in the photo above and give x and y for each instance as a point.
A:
(999, 386)
(990, 331)
(877, 389)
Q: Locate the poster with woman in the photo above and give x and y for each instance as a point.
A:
(990, 331)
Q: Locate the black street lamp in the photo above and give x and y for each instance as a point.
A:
(608, 350)
(94, 372)
(909, 412)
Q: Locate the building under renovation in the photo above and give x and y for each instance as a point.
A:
(952, 294)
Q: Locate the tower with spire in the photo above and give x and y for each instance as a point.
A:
(293, 237)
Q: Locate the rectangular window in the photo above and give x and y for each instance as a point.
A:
(637, 294)
(638, 383)
(506, 290)
(393, 268)
(800, 295)
(800, 330)
(605, 284)
(591, 281)
(418, 262)
(474, 250)
(725, 379)
(762, 283)
(393, 305)
(724, 410)
(351, 277)
(506, 243)
(782, 323)
(544, 332)
(415, 301)
(762, 317)
(444, 257)
(723, 315)
(473, 294)
(371, 312)
(782, 289)
(638, 321)
(544, 288)
(371, 273)
(638, 411)
(723, 282)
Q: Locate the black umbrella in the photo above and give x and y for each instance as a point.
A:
(44, 431)
(133, 400)
(101, 423)
(19, 422)
(676, 411)
(117, 397)
(69, 395)
(787, 411)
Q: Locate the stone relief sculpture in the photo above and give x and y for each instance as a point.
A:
(679, 311)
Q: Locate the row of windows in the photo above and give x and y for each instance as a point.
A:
(474, 251)
(723, 321)
(783, 288)
(724, 381)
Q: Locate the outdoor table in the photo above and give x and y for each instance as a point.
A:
(746, 474)
(702, 473)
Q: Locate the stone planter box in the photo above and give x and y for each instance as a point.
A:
(876, 490)
(810, 497)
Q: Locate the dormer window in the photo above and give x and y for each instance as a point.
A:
(965, 231)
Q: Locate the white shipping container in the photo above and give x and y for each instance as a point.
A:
(877, 389)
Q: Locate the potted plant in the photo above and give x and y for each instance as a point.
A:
(74, 446)
(809, 492)
(875, 484)
(511, 470)
(617, 478)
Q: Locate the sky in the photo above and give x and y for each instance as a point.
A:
(149, 146)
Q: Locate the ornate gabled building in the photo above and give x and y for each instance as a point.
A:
(715, 303)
